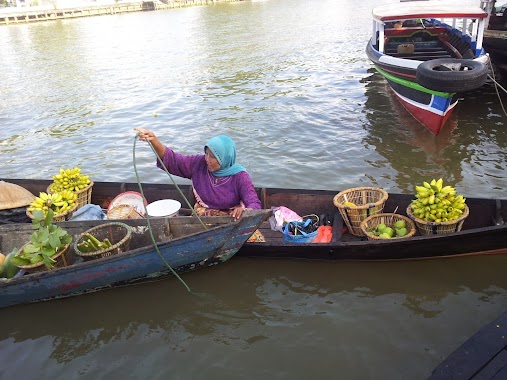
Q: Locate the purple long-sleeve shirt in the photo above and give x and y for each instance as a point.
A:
(212, 192)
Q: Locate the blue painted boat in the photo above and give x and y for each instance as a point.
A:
(183, 242)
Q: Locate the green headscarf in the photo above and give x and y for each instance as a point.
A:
(224, 150)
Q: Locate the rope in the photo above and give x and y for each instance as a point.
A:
(496, 87)
(148, 219)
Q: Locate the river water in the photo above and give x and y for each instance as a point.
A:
(289, 81)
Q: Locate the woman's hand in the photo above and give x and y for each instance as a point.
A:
(237, 211)
(149, 136)
(145, 134)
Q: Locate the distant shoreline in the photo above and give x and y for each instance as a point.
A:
(23, 15)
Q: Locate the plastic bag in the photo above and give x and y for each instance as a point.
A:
(324, 234)
(89, 212)
(301, 231)
(280, 216)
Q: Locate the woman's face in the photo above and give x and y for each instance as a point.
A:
(211, 160)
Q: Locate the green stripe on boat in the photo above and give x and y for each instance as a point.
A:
(413, 85)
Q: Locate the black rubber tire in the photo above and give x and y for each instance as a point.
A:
(452, 75)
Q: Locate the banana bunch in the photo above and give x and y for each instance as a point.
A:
(437, 203)
(60, 202)
(69, 179)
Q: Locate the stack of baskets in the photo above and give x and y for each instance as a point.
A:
(438, 228)
(367, 200)
(123, 211)
(119, 234)
(371, 222)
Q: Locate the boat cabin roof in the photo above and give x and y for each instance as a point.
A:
(423, 9)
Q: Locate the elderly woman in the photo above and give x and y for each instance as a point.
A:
(221, 186)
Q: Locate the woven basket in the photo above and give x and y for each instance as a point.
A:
(388, 219)
(123, 211)
(61, 257)
(84, 196)
(368, 201)
(58, 217)
(119, 235)
(438, 228)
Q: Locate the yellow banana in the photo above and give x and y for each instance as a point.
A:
(439, 183)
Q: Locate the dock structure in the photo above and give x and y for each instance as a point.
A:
(37, 14)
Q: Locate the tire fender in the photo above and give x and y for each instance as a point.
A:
(452, 75)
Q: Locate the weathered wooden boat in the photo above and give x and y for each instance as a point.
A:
(426, 61)
(482, 232)
(483, 356)
(184, 243)
(495, 36)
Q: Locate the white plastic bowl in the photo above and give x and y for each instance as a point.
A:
(164, 207)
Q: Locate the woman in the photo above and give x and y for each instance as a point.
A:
(221, 186)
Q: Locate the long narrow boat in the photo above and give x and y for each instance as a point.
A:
(483, 231)
(426, 61)
(483, 356)
(184, 243)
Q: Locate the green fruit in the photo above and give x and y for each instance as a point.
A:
(381, 227)
(400, 224)
(389, 231)
(8, 269)
(384, 236)
(400, 232)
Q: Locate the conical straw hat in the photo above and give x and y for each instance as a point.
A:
(13, 196)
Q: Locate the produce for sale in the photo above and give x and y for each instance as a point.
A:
(59, 202)
(92, 244)
(69, 179)
(437, 203)
(398, 229)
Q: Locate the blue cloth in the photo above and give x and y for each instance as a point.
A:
(89, 212)
(224, 150)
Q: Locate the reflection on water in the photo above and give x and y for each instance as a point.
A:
(413, 311)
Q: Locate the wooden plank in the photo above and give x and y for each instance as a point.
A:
(483, 356)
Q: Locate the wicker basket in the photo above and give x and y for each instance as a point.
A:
(437, 228)
(123, 211)
(119, 235)
(61, 258)
(84, 196)
(58, 217)
(368, 201)
(388, 219)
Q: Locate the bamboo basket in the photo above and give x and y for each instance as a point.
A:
(84, 196)
(123, 211)
(438, 228)
(119, 235)
(368, 201)
(61, 257)
(388, 219)
(58, 217)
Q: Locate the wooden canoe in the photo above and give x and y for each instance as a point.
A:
(183, 243)
(483, 356)
(483, 231)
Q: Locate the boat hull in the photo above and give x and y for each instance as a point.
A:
(197, 250)
(483, 231)
(431, 108)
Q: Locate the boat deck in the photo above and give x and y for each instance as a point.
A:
(425, 45)
(483, 356)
